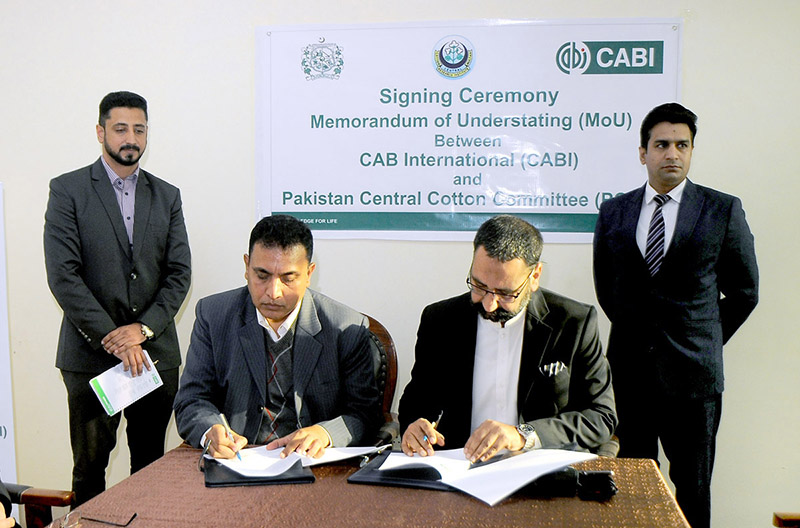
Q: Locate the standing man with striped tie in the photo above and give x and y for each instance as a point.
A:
(675, 272)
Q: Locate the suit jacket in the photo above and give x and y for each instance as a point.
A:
(99, 281)
(668, 330)
(574, 408)
(5, 500)
(226, 369)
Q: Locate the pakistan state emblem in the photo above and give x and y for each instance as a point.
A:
(322, 61)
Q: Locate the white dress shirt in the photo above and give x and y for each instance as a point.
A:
(498, 352)
(669, 211)
(285, 325)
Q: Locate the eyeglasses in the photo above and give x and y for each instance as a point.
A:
(501, 296)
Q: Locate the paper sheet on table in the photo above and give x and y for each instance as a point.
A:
(259, 462)
(116, 389)
(493, 482)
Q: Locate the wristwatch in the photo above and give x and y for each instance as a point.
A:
(529, 434)
(146, 332)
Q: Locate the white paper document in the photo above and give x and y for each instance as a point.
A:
(259, 462)
(116, 389)
(493, 482)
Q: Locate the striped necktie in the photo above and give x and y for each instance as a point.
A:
(654, 252)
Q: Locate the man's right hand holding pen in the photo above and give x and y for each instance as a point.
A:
(421, 436)
(221, 445)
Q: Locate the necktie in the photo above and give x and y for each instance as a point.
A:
(654, 252)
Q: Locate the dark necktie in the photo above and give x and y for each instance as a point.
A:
(654, 253)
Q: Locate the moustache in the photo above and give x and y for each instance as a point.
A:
(500, 315)
(130, 147)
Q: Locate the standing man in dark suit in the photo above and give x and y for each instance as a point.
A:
(675, 271)
(509, 365)
(287, 366)
(118, 263)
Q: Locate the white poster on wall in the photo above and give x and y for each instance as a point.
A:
(8, 462)
(423, 131)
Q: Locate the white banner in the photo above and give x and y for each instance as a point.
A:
(8, 461)
(422, 131)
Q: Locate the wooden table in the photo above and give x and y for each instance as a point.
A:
(170, 493)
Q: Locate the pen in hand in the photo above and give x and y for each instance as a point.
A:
(435, 425)
(229, 432)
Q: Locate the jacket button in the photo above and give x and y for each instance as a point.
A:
(134, 276)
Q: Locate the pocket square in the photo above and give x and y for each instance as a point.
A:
(552, 369)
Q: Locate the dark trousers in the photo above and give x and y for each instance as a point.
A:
(687, 428)
(93, 434)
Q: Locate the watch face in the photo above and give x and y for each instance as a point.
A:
(525, 429)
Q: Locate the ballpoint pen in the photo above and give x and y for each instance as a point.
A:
(435, 425)
(230, 433)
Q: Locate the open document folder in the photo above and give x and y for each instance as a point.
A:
(116, 388)
(259, 462)
(489, 482)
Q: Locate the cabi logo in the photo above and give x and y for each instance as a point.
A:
(453, 56)
(611, 57)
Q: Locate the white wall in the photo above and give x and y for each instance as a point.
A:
(194, 62)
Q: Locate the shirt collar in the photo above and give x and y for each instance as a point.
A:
(285, 325)
(113, 175)
(675, 194)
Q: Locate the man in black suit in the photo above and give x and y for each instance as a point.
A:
(509, 365)
(118, 263)
(675, 288)
(288, 366)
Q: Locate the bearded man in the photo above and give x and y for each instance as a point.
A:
(507, 365)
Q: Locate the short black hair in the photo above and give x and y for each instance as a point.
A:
(667, 113)
(120, 100)
(507, 237)
(282, 231)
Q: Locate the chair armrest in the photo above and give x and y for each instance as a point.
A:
(786, 519)
(21, 494)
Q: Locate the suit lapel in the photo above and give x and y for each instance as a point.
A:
(251, 339)
(142, 212)
(457, 365)
(306, 348)
(534, 346)
(631, 210)
(688, 213)
(105, 192)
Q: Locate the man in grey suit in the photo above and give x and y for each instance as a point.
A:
(508, 365)
(286, 365)
(675, 271)
(118, 263)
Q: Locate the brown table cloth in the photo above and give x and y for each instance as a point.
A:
(170, 493)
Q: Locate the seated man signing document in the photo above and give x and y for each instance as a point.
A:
(287, 366)
(507, 365)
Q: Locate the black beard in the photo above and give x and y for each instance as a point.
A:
(501, 315)
(126, 162)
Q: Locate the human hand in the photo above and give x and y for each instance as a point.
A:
(134, 360)
(6, 522)
(490, 438)
(310, 441)
(124, 343)
(420, 437)
(221, 445)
